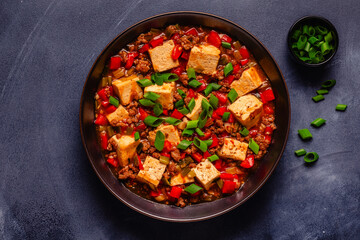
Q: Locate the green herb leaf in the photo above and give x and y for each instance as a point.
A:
(191, 73)
(159, 141)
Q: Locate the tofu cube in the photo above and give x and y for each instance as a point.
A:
(161, 57)
(166, 92)
(127, 89)
(152, 172)
(171, 133)
(125, 148)
(233, 149)
(119, 115)
(250, 80)
(204, 59)
(247, 110)
(206, 173)
(179, 179)
(194, 114)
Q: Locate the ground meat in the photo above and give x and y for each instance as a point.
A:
(152, 149)
(181, 202)
(172, 168)
(219, 123)
(170, 30)
(146, 146)
(144, 38)
(188, 41)
(156, 155)
(225, 88)
(132, 112)
(221, 141)
(192, 165)
(176, 155)
(177, 96)
(184, 79)
(123, 56)
(143, 65)
(127, 172)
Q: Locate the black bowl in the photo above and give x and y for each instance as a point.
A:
(201, 211)
(313, 20)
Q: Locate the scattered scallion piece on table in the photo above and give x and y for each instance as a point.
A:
(318, 98)
(184, 144)
(328, 83)
(254, 146)
(341, 107)
(304, 134)
(300, 152)
(311, 157)
(159, 141)
(318, 122)
(322, 91)
(193, 188)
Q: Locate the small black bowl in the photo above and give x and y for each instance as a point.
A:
(313, 20)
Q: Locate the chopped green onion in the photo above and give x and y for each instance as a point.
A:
(151, 96)
(170, 77)
(181, 93)
(146, 102)
(164, 160)
(183, 110)
(208, 90)
(187, 132)
(136, 136)
(192, 124)
(215, 86)
(144, 82)
(214, 101)
(202, 119)
(159, 141)
(157, 78)
(114, 101)
(158, 109)
(179, 103)
(220, 183)
(328, 83)
(200, 144)
(194, 83)
(244, 132)
(322, 91)
(228, 69)
(254, 146)
(318, 98)
(184, 144)
(172, 121)
(185, 171)
(153, 121)
(213, 158)
(191, 73)
(191, 105)
(301, 42)
(192, 189)
(199, 132)
(226, 45)
(226, 116)
(321, 30)
(300, 152)
(208, 142)
(207, 107)
(318, 122)
(341, 107)
(304, 134)
(232, 95)
(311, 157)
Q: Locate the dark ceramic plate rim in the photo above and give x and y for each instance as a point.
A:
(220, 212)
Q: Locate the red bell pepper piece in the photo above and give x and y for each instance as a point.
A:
(167, 146)
(175, 192)
(236, 69)
(141, 167)
(144, 48)
(267, 95)
(215, 116)
(202, 86)
(182, 155)
(206, 136)
(191, 93)
(268, 138)
(177, 70)
(253, 132)
(141, 126)
(214, 39)
(227, 176)
(268, 109)
(113, 162)
(192, 31)
(156, 41)
(130, 59)
(105, 103)
(226, 38)
(103, 140)
(248, 162)
(197, 156)
(115, 62)
(176, 114)
(143, 114)
(102, 94)
(229, 79)
(222, 97)
(111, 90)
(268, 131)
(175, 36)
(215, 142)
(220, 111)
(110, 109)
(218, 164)
(229, 187)
(166, 154)
(166, 112)
(206, 154)
(231, 118)
(244, 61)
(244, 52)
(176, 52)
(154, 194)
(101, 120)
(185, 55)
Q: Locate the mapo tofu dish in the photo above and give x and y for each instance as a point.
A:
(184, 114)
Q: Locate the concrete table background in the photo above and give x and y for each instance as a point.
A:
(48, 189)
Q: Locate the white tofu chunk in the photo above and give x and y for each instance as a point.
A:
(127, 89)
(204, 59)
(233, 149)
(171, 133)
(247, 110)
(206, 173)
(179, 179)
(161, 57)
(250, 80)
(152, 172)
(194, 114)
(119, 115)
(166, 92)
(125, 148)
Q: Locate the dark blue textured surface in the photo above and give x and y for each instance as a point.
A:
(47, 186)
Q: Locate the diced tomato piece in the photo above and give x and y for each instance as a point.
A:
(166, 112)
(141, 126)
(206, 136)
(167, 146)
(175, 36)
(215, 142)
(110, 109)
(268, 131)
(192, 31)
(222, 97)
(154, 194)
(244, 52)
(229, 187)
(267, 95)
(220, 111)
(113, 162)
(215, 116)
(268, 138)
(185, 55)
(141, 167)
(176, 52)
(175, 192)
(143, 114)
(248, 162)
(191, 93)
(229, 79)
(207, 154)
(103, 140)
(214, 39)
(144, 48)
(101, 120)
(202, 86)
(253, 132)
(244, 61)
(115, 62)
(105, 103)
(226, 38)
(197, 156)
(236, 69)
(176, 114)
(231, 118)
(130, 59)
(156, 41)
(102, 94)
(227, 176)
(268, 109)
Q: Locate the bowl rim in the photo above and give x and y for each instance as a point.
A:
(168, 219)
(303, 19)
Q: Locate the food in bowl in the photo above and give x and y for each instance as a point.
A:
(184, 115)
